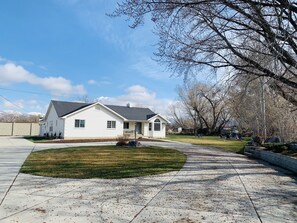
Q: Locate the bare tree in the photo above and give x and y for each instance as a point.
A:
(85, 99)
(225, 34)
(178, 119)
(9, 117)
(245, 108)
(203, 106)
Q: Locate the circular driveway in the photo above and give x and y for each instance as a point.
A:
(213, 186)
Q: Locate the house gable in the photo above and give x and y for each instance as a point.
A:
(158, 116)
(64, 108)
(95, 119)
(90, 106)
(52, 124)
(48, 111)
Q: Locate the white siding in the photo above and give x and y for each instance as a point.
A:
(162, 132)
(145, 129)
(57, 123)
(42, 129)
(96, 118)
(131, 131)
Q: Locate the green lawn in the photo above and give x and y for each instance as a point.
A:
(212, 141)
(109, 162)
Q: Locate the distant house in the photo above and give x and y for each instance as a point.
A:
(94, 120)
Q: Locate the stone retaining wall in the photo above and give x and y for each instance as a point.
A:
(277, 159)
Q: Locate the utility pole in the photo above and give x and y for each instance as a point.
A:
(262, 108)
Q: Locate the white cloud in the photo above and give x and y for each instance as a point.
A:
(14, 112)
(103, 98)
(98, 83)
(11, 73)
(139, 96)
(24, 105)
(14, 104)
(10, 112)
(36, 114)
(35, 106)
(92, 82)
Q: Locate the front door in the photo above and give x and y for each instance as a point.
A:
(138, 127)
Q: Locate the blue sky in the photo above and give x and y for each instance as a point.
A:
(70, 49)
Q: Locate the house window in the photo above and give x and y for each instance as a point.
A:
(126, 125)
(111, 124)
(79, 123)
(150, 126)
(157, 125)
(51, 128)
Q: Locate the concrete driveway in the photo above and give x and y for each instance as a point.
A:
(213, 186)
(13, 152)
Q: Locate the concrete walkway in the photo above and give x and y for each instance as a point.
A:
(213, 186)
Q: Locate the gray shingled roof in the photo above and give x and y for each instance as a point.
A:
(130, 113)
(66, 107)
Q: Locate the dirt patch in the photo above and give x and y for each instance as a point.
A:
(40, 210)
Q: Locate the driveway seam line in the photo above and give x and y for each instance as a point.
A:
(28, 208)
(155, 196)
(10, 186)
(246, 191)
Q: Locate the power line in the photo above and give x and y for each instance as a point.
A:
(23, 91)
(12, 103)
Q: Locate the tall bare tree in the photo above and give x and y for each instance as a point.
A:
(177, 113)
(225, 34)
(245, 106)
(203, 105)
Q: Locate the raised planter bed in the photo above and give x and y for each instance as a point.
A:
(289, 163)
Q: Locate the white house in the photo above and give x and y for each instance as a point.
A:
(71, 120)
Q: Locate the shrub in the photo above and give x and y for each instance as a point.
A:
(276, 147)
(257, 140)
(122, 141)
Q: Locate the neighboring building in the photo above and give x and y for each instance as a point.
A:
(95, 120)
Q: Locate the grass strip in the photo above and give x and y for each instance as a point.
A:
(229, 145)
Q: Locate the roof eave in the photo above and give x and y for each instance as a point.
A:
(87, 107)
(159, 116)
(130, 120)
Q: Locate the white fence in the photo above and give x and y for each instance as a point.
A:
(19, 129)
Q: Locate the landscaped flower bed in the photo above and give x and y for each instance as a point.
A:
(280, 148)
